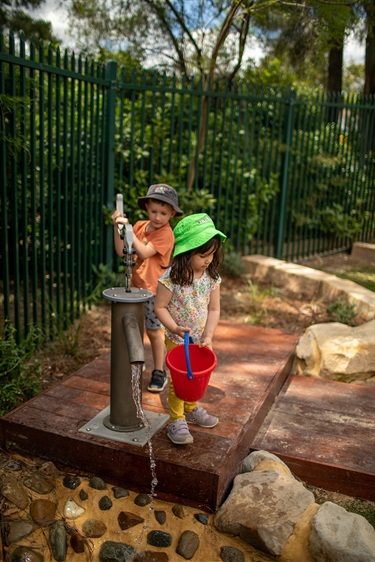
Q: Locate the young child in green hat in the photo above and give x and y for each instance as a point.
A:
(188, 300)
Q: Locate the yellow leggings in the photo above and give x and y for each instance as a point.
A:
(177, 407)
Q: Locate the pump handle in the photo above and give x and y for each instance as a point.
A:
(120, 209)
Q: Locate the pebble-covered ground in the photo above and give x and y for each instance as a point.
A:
(65, 516)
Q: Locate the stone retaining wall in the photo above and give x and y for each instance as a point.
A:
(311, 283)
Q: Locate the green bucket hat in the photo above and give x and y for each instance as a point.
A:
(193, 231)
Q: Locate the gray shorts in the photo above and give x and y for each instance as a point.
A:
(152, 322)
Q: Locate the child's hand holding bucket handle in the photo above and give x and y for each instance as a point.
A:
(206, 342)
(181, 330)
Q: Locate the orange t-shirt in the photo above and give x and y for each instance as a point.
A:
(147, 272)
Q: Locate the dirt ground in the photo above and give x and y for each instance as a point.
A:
(241, 301)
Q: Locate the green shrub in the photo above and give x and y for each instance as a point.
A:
(342, 312)
(19, 377)
(233, 266)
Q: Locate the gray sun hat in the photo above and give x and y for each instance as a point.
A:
(161, 192)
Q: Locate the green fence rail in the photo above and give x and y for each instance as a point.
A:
(283, 175)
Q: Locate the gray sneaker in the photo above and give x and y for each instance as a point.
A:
(200, 417)
(179, 433)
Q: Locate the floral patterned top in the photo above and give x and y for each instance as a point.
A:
(189, 304)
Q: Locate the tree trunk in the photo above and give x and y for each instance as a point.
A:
(334, 79)
(369, 87)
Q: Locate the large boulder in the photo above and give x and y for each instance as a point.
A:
(338, 352)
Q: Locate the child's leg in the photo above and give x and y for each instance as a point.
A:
(178, 431)
(176, 405)
(156, 338)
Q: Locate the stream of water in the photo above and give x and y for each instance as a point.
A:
(136, 373)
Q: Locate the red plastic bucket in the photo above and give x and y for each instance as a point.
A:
(202, 362)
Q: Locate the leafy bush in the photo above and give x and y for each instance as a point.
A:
(342, 312)
(233, 266)
(19, 377)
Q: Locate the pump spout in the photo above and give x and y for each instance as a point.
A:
(133, 339)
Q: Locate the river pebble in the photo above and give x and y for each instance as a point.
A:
(105, 503)
(77, 542)
(24, 554)
(188, 544)
(142, 499)
(160, 516)
(71, 482)
(116, 552)
(119, 492)
(94, 528)
(72, 510)
(97, 483)
(83, 495)
(231, 554)
(201, 517)
(159, 538)
(57, 539)
(180, 511)
(126, 520)
(43, 511)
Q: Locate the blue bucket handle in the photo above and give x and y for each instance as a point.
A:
(187, 340)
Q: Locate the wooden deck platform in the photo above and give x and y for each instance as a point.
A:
(252, 375)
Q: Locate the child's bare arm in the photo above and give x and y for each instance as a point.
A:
(143, 252)
(162, 299)
(212, 318)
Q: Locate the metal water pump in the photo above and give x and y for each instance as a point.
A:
(127, 349)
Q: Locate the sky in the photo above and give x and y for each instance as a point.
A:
(51, 10)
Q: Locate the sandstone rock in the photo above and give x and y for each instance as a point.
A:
(50, 469)
(263, 508)
(16, 493)
(16, 530)
(38, 484)
(339, 535)
(264, 460)
(335, 350)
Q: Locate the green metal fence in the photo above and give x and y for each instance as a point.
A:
(281, 175)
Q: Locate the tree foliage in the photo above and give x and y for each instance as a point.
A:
(13, 17)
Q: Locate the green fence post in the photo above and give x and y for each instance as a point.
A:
(284, 183)
(109, 141)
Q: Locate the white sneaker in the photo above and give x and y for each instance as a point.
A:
(200, 417)
(179, 433)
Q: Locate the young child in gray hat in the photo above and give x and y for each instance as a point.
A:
(153, 243)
